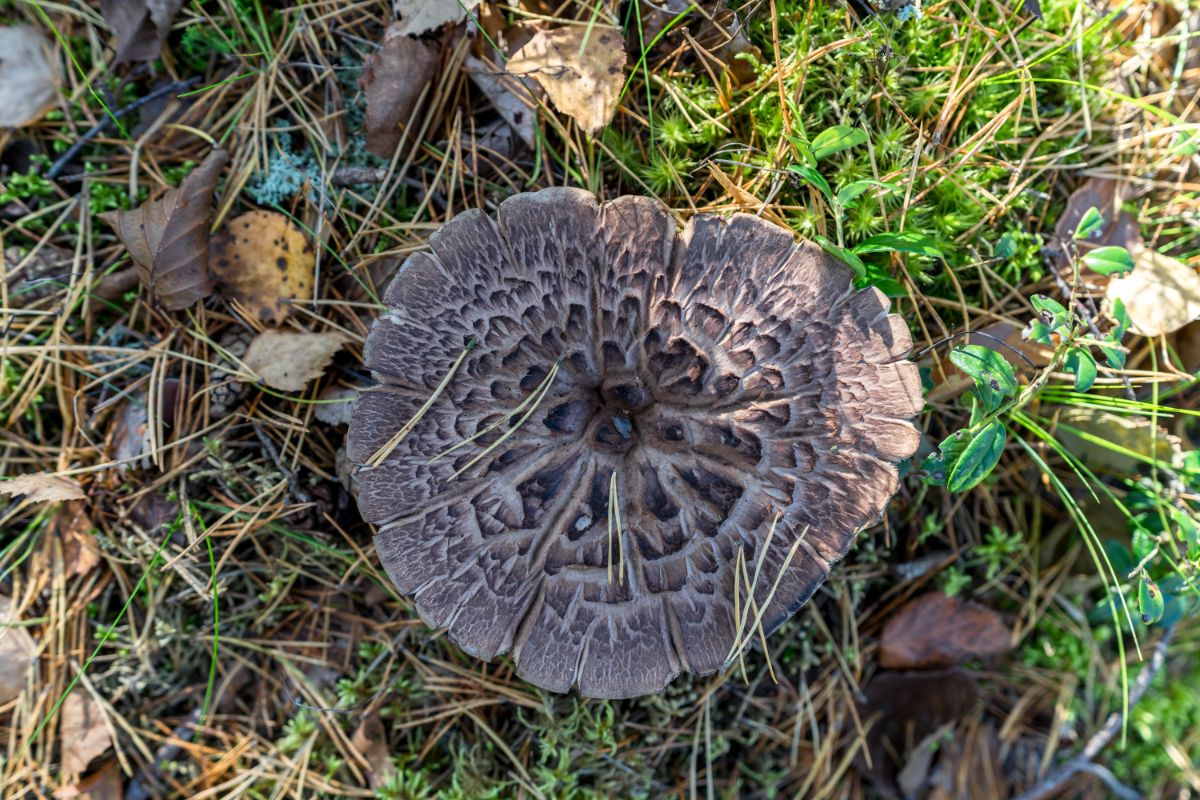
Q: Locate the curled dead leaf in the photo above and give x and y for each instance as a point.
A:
(141, 26)
(370, 741)
(1103, 440)
(392, 81)
(264, 261)
(16, 652)
(1161, 294)
(42, 487)
(28, 76)
(103, 784)
(419, 16)
(513, 98)
(168, 237)
(84, 734)
(290, 361)
(581, 70)
(935, 631)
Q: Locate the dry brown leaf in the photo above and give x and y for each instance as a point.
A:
(42, 487)
(392, 81)
(141, 26)
(419, 16)
(1132, 434)
(934, 631)
(584, 85)
(16, 651)
(512, 97)
(1161, 294)
(168, 237)
(264, 261)
(28, 77)
(84, 734)
(74, 528)
(103, 784)
(290, 361)
(370, 740)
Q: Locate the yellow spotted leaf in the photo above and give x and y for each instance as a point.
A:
(264, 262)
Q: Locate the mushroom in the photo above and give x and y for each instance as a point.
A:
(612, 449)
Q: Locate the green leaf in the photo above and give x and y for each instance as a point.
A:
(803, 150)
(904, 242)
(845, 256)
(1082, 365)
(1052, 312)
(1150, 601)
(1109, 260)
(1114, 356)
(1143, 542)
(850, 192)
(814, 178)
(1007, 247)
(1122, 317)
(938, 465)
(985, 366)
(979, 458)
(1188, 532)
(1091, 222)
(836, 139)
(1039, 332)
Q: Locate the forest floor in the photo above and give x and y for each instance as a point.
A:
(192, 605)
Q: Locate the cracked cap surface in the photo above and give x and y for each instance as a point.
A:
(725, 374)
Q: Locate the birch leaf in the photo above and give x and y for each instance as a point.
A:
(582, 71)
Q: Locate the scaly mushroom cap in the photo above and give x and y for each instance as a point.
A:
(726, 375)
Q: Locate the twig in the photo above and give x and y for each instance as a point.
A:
(1057, 779)
(82, 142)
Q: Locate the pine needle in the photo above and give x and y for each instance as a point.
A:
(545, 386)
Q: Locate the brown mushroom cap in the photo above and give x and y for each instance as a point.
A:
(725, 374)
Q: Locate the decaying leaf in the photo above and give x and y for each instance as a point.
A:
(935, 631)
(1161, 294)
(583, 84)
(512, 97)
(141, 26)
(902, 709)
(37, 274)
(336, 404)
(168, 237)
(74, 529)
(1120, 228)
(103, 784)
(290, 361)
(264, 261)
(419, 16)
(28, 77)
(16, 652)
(370, 740)
(392, 81)
(84, 734)
(1087, 431)
(41, 487)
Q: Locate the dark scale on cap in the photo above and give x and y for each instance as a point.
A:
(685, 361)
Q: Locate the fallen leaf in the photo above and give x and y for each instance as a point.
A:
(1161, 294)
(168, 237)
(264, 261)
(130, 442)
(28, 77)
(103, 784)
(1135, 435)
(718, 30)
(583, 84)
(290, 361)
(514, 98)
(336, 404)
(41, 487)
(934, 631)
(370, 741)
(419, 16)
(903, 708)
(141, 26)
(74, 528)
(84, 734)
(392, 81)
(16, 652)
(37, 274)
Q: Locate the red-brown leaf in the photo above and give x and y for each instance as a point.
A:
(935, 631)
(168, 237)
